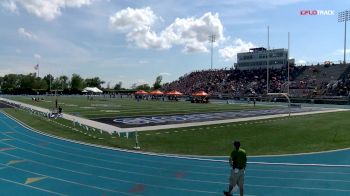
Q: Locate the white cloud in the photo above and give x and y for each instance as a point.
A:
(143, 61)
(301, 62)
(144, 38)
(22, 32)
(130, 19)
(341, 52)
(230, 52)
(46, 9)
(164, 74)
(37, 56)
(192, 33)
(10, 5)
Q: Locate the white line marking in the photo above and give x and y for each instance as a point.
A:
(110, 148)
(190, 157)
(299, 188)
(163, 187)
(71, 182)
(29, 186)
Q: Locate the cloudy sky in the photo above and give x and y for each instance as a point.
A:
(134, 41)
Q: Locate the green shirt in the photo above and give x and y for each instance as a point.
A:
(239, 158)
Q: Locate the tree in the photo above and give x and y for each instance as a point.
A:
(118, 86)
(10, 83)
(77, 82)
(94, 82)
(48, 79)
(133, 86)
(157, 83)
(144, 87)
(1, 82)
(56, 84)
(64, 82)
(28, 82)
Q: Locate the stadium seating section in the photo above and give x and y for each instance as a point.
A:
(306, 81)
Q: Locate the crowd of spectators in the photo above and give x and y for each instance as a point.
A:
(305, 81)
(339, 87)
(236, 83)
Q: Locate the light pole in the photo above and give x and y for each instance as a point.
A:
(344, 16)
(288, 61)
(212, 40)
(268, 60)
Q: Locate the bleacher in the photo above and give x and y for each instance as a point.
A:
(314, 79)
(323, 72)
(306, 81)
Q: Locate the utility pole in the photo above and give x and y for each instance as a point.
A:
(212, 40)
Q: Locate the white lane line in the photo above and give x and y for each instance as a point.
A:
(47, 165)
(49, 148)
(189, 157)
(300, 171)
(296, 187)
(174, 156)
(223, 183)
(71, 182)
(93, 166)
(299, 179)
(131, 182)
(32, 187)
(162, 187)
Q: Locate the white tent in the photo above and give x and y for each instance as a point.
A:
(91, 90)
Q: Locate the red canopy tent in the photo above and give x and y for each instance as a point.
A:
(200, 94)
(174, 93)
(156, 92)
(141, 92)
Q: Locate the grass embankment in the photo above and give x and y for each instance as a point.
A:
(275, 136)
(55, 127)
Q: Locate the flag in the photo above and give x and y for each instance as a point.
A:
(36, 67)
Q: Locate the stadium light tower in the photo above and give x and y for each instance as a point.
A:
(268, 60)
(344, 16)
(212, 40)
(288, 65)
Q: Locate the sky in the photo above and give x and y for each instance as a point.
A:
(135, 41)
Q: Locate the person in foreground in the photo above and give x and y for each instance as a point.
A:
(238, 162)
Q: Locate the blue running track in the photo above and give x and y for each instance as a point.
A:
(35, 164)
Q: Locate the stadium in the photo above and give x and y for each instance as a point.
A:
(88, 130)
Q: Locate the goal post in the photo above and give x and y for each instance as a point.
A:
(281, 95)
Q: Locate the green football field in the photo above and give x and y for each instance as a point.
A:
(126, 107)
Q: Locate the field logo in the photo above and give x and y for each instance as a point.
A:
(317, 12)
